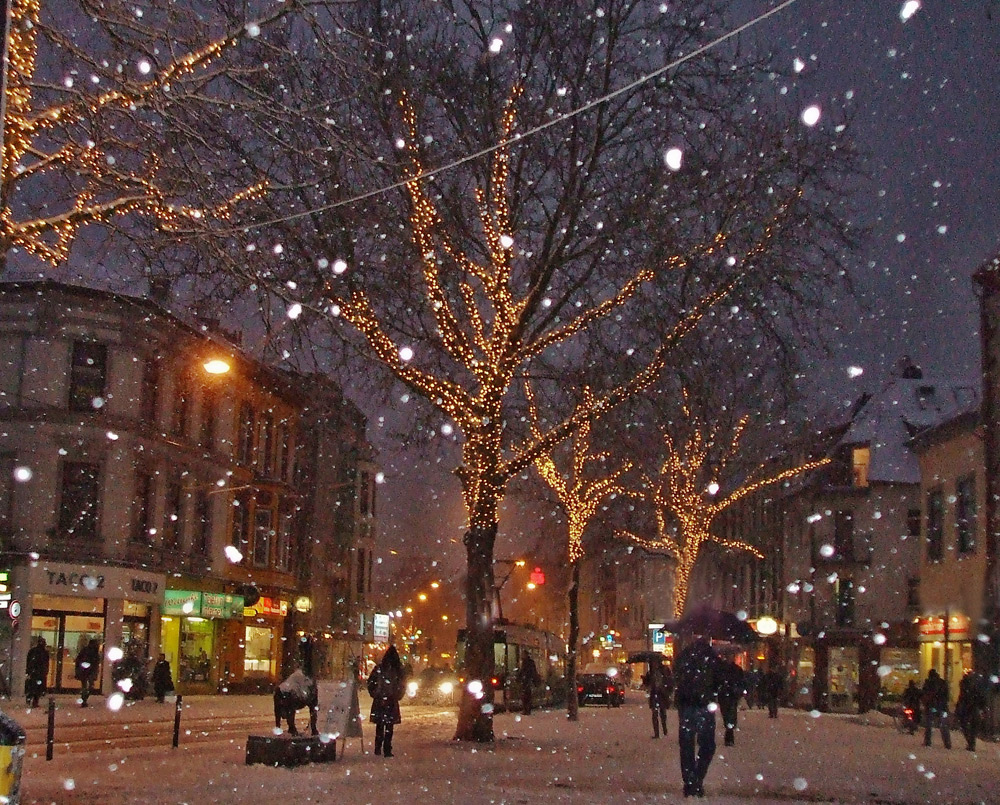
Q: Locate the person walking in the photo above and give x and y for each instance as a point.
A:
(163, 681)
(969, 707)
(385, 685)
(659, 682)
(911, 702)
(527, 678)
(697, 675)
(732, 687)
(36, 672)
(771, 686)
(935, 702)
(87, 667)
(298, 690)
(752, 681)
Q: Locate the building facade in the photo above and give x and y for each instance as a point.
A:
(149, 503)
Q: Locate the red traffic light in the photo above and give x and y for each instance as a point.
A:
(537, 576)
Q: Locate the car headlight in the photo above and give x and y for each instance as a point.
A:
(412, 688)
(446, 687)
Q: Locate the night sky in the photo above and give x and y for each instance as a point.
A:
(923, 95)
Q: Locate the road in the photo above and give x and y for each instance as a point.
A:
(606, 757)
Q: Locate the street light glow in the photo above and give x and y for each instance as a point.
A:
(216, 366)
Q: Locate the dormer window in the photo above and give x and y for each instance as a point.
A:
(860, 461)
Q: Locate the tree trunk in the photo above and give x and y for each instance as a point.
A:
(572, 703)
(475, 714)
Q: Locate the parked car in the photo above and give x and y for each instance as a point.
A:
(600, 684)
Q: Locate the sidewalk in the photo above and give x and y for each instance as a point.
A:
(607, 756)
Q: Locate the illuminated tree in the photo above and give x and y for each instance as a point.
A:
(687, 494)
(580, 490)
(88, 145)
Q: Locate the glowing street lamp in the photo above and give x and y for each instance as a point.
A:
(216, 366)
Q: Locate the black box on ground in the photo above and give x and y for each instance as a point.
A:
(288, 750)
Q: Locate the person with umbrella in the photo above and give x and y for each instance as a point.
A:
(697, 676)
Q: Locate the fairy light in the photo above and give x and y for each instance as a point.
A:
(108, 190)
(682, 492)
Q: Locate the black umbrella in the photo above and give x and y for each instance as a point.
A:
(714, 624)
(648, 657)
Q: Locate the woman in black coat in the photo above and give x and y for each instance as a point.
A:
(385, 686)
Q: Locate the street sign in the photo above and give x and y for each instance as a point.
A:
(14, 610)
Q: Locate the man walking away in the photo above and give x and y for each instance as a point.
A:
(731, 689)
(658, 680)
(969, 707)
(527, 678)
(771, 686)
(935, 701)
(87, 667)
(37, 673)
(697, 674)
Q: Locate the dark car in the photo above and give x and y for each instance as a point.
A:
(433, 686)
(601, 685)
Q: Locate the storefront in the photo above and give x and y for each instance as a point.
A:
(192, 636)
(68, 605)
(265, 625)
(945, 646)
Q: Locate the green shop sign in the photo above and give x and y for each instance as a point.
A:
(202, 605)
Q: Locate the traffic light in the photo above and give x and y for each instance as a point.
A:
(537, 577)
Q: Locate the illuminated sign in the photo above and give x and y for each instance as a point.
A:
(197, 604)
(381, 632)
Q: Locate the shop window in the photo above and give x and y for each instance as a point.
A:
(142, 530)
(263, 531)
(244, 443)
(195, 650)
(78, 500)
(88, 376)
(173, 515)
(935, 525)
(150, 391)
(257, 657)
(965, 514)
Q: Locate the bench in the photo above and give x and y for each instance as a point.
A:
(288, 750)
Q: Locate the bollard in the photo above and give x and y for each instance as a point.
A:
(177, 721)
(50, 735)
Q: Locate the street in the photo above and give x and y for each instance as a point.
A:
(608, 756)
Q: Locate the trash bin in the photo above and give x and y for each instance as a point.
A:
(11, 759)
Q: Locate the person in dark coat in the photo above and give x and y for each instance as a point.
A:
(659, 682)
(752, 681)
(36, 672)
(732, 688)
(911, 701)
(935, 702)
(163, 681)
(386, 686)
(969, 707)
(771, 687)
(697, 675)
(297, 691)
(87, 667)
(527, 678)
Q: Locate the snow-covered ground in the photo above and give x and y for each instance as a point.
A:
(606, 757)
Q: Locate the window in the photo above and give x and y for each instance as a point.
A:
(80, 489)
(285, 446)
(150, 390)
(843, 535)
(88, 376)
(7, 463)
(913, 522)
(244, 444)
(913, 593)
(265, 445)
(845, 602)
(361, 573)
(203, 523)
(283, 556)
(935, 525)
(173, 515)
(965, 514)
(207, 431)
(241, 522)
(365, 502)
(144, 490)
(860, 460)
(263, 531)
(182, 406)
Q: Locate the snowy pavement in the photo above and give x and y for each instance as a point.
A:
(608, 756)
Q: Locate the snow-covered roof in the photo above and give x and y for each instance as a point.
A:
(887, 421)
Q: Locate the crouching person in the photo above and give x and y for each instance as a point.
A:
(296, 692)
